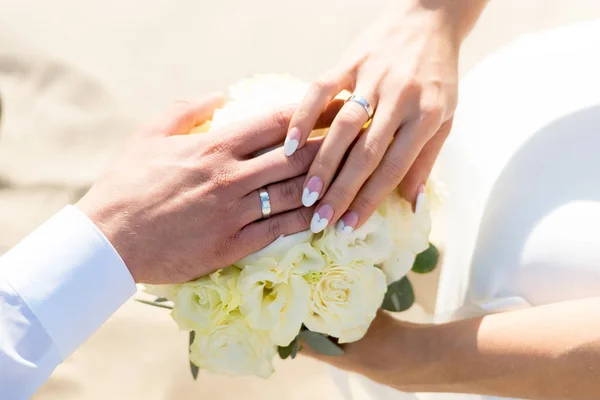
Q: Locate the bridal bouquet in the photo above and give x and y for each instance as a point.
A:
(320, 289)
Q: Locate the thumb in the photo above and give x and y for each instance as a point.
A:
(419, 172)
(185, 115)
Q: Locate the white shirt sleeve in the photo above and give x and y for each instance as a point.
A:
(57, 287)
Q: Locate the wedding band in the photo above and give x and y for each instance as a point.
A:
(265, 203)
(364, 103)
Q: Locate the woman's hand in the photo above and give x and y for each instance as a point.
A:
(392, 353)
(178, 206)
(544, 352)
(405, 66)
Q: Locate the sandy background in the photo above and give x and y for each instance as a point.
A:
(76, 76)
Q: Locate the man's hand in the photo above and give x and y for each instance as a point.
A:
(178, 206)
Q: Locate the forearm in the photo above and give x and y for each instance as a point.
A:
(459, 16)
(548, 352)
(57, 287)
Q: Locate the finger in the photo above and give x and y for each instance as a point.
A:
(419, 172)
(320, 93)
(363, 159)
(283, 196)
(185, 115)
(260, 234)
(268, 129)
(274, 166)
(403, 151)
(344, 130)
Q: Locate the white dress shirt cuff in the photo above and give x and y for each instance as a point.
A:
(70, 277)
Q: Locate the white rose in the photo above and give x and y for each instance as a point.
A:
(275, 294)
(372, 243)
(410, 233)
(234, 348)
(256, 95)
(203, 304)
(410, 229)
(162, 291)
(345, 299)
(398, 265)
(278, 248)
(435, 190)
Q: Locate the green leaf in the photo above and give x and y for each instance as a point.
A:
(192, 337)
(321, 343)
(160, 299)
(295, 350)
(427, 260)
(193, 367)
(289, 350)
(154, 303)
(399, 296)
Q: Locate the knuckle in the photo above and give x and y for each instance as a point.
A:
(291, 191)
(371, 154)
(223, 178)
(303, 112)
(303, 218)
(364, 205)
(296, 221)
(281, 118)
(210, 147)
(352, 118)
(409, 90)
(432, 112)
(233, 212)
(393, 170)
(288, 192)
(337, 194)
(322, 165)
(219, 183)
(274, 228)
(300, 160)
(412, 86)
(222, 248)
(322, 85)
(235, 238)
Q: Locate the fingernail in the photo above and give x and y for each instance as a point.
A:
(348, 222)
(321, 218)
(420, 198)
(291, 141)
(311, 191)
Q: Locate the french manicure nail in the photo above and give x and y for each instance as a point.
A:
(420, 198)
(321, 218)
(311, 192)
(348, 222)
(291, 141)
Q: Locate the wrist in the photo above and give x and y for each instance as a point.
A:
(429, 357)
(420, 348)
(109, 219)
(456, 17)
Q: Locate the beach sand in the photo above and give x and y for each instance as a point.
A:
(75, 77)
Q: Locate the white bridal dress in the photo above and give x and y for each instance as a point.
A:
(522, 175)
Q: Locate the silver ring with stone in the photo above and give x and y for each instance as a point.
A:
(363, 102)
(265, 202)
